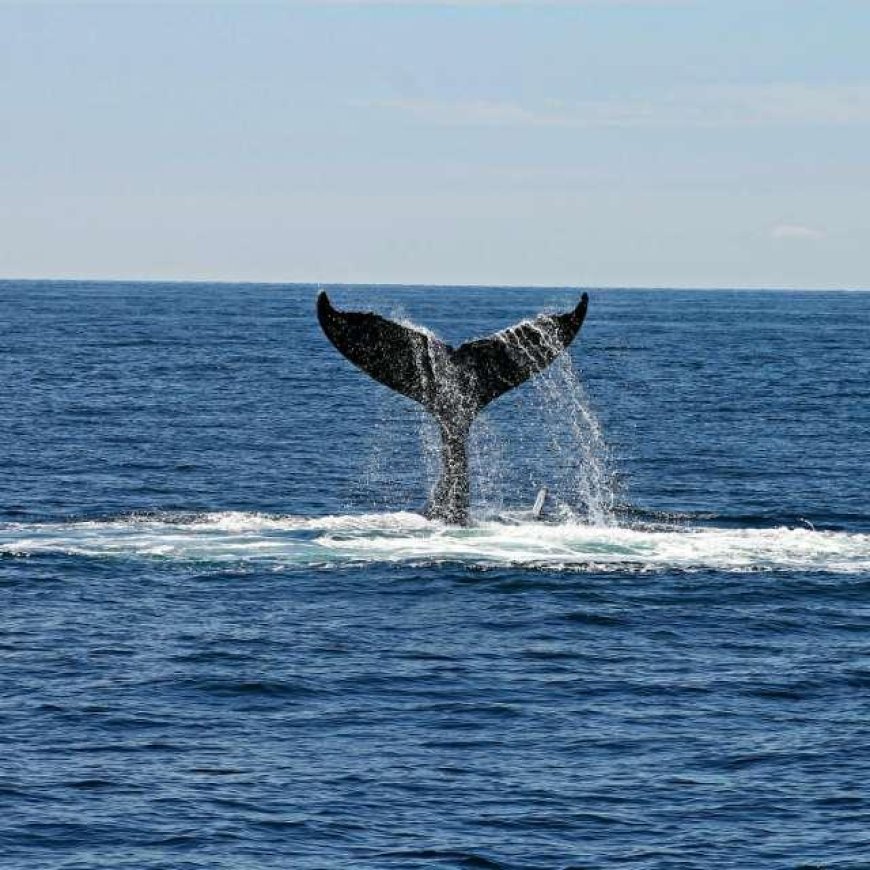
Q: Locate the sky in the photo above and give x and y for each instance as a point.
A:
(595, 143)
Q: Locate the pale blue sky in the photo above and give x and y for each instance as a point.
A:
(596, 143)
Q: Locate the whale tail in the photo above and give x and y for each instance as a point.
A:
(453, 384)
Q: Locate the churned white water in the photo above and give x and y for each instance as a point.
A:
(409, 538)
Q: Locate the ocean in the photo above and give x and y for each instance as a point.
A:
(230, 640)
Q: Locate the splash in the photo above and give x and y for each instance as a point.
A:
(580, 466)
(556, 417)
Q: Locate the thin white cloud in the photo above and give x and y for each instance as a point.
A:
(529, 3)
(532, 4)
(796, 231)
(712, 106)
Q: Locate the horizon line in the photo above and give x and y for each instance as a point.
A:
(400, 284)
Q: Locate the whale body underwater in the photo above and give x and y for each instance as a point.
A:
(452, 384)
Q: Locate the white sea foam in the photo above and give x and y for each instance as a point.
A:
(409, 538)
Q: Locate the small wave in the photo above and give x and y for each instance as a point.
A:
(407, 538)
(469, 860)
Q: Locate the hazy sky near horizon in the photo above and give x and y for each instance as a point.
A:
(697, 143)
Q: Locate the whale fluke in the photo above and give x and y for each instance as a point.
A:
(454, 385)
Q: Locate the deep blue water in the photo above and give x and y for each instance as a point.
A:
(229, 642)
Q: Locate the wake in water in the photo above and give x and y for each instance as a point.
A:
(405, 538)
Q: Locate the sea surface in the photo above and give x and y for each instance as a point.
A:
(230, 640)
